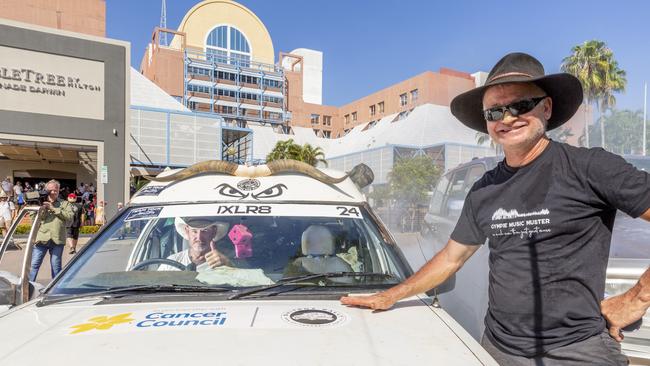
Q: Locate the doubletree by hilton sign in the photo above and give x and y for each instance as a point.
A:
(38, 82)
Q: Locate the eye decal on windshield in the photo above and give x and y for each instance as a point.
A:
(230, 191)
(275, 191)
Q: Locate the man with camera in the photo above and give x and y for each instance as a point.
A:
(56, 213)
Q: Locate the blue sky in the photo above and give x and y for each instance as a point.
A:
(369, 45)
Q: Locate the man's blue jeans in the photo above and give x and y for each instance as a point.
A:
(38, 253)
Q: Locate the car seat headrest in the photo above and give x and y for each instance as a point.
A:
(317, 240)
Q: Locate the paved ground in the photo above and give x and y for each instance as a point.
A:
(13, 259)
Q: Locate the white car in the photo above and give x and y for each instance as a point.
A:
(296, 239)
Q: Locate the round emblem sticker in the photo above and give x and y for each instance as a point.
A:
(314, 317)
(248, 184)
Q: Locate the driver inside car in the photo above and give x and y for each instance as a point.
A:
(202, 235)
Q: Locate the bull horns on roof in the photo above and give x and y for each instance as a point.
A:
(361, 174)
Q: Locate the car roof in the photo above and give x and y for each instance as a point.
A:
(489, 162)
(291, 187)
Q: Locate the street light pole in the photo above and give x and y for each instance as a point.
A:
(645, 111)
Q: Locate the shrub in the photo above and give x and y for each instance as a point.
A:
(23, 229)
(89, 229)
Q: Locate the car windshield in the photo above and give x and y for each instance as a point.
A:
(234, 245)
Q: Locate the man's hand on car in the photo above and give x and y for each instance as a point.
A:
(379, 301)
(214, 258)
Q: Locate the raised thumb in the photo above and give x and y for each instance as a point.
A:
(213, 245)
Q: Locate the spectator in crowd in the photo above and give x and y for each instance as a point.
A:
(120, 206)
(7, 212)
(86, 196)
(82, 188)
(100, 218)
(7, 187)
(72, 230)
(65, 192)
(51, 233)
(19, 198)
(91, 188)
(89, 212)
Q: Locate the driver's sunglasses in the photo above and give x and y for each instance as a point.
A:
(515, 109)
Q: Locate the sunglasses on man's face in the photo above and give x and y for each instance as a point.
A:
(515, 109)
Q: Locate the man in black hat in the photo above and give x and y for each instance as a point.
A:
(548, 210)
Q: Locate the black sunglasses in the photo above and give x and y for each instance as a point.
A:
(515, 109)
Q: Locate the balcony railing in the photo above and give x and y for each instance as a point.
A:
(247, 65)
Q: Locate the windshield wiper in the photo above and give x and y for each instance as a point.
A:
(294, 280)
(53, 299)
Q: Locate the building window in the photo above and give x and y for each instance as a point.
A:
(354, 116)
(403, 99)
(327, 134)
(227, 44)
(347, 118)
(373, 110)
(327, 120)
(414, 96)
(381, 107)
(315, 119)
(370, 125)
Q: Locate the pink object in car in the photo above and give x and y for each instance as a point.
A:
(242, 239)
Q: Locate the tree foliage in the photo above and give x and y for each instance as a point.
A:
(624, 131)
(412, 178)
(410, 181)
(288, 149)
(594, 65)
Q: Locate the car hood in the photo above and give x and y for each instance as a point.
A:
(238, 332)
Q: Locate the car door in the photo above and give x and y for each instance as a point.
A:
(445, 206)
(471, 282)
(15, 259)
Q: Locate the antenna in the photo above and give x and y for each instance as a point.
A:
(163, 23)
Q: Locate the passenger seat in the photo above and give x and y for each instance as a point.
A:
(319, 254)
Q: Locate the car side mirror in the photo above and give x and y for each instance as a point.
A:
(444, 287)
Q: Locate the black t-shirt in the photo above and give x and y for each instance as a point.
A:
(549, 226)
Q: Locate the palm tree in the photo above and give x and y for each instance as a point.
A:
(313, 155)
(290, 150)
(593, 64)
(287, 149)
(482, 138)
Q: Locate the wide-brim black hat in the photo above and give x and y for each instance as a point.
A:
(564, 89)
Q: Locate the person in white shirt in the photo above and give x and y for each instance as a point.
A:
(7, 210)
(7, 186)
(19, 199)
(18, 188)
(202, 234)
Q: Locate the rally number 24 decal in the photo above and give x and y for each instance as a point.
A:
(348, 211)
